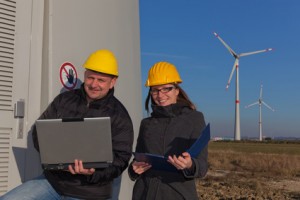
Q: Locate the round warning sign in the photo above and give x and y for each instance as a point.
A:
(68, 76)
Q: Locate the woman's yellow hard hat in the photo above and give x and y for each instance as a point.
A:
(162, 73)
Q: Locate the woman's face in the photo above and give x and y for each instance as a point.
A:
(164, 95)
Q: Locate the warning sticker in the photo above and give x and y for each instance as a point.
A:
(68, 76)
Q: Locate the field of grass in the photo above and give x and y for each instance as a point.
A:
(284, 147)
(251, 170)
(279, 159)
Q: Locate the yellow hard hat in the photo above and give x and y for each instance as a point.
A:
(162, 73)
(102, 61)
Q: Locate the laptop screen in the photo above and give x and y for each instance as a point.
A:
(61, 141)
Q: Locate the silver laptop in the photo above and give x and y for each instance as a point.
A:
(61, 141)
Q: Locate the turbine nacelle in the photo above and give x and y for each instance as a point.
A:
(237, 56)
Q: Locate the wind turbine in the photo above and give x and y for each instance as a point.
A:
(237, 130)
(260, 102)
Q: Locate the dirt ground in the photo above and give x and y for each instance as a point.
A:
(245, 186)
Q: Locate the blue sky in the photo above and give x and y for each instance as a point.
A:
(181, 32)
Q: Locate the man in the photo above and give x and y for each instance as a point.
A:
(95, 98)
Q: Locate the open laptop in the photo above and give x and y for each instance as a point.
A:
(61, 141)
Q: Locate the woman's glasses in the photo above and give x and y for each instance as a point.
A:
(162, 90)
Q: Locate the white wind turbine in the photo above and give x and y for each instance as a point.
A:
(237, 131)
(260, 102)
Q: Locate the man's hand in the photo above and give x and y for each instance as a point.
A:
(79, 169)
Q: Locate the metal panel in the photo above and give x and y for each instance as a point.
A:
(4, 157)
(70, 30)
(7, 29)
(79, 27)
(7, 24)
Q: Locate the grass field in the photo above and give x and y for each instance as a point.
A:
(251, 170)
(288, 148)
(268, 157)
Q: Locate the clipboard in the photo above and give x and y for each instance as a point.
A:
(159, 162)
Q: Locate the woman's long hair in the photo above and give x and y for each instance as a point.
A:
(181, 98)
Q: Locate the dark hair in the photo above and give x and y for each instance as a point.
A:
(181, 98)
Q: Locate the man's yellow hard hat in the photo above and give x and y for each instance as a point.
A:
(102, 61)
(162, 73)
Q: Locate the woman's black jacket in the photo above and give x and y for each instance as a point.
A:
(170, 130)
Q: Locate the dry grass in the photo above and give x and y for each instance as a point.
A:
(270, 159)
(269, 164)
(272, 147)
(251, 170)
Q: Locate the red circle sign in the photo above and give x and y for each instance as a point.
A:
(68, 76)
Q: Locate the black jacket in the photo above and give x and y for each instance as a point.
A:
(74, 104)
(171, 130)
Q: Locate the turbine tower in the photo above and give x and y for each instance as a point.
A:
(237, 130)
(260, 102)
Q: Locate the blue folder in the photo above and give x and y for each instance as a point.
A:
(159, 162)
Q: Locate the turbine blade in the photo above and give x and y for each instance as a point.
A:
(268, 106)
(236, 62)
(252, 104)
(261, 90)
(255, 52)
(226, 45)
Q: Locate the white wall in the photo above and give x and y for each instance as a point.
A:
(68, 31)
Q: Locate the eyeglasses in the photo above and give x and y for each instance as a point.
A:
(162, 90)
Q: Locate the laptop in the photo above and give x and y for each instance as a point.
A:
(61, 141)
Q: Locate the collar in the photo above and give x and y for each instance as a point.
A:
(172, 110)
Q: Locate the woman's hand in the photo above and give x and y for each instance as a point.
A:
(79, 169)
(140, 167)
(181, 162)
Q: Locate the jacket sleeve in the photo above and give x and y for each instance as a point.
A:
(200, 163)
(199, 167)
(122, 139)
(132, 175)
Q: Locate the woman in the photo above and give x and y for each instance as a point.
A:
(172, 128)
